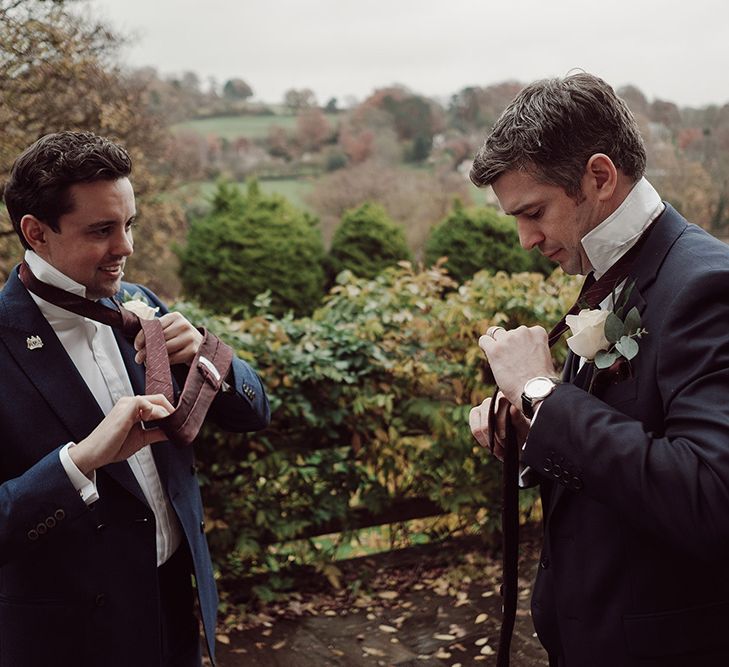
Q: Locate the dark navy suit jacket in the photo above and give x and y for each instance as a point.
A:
(635, 477)
(78, 584)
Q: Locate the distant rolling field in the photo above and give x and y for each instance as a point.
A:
(234, 127)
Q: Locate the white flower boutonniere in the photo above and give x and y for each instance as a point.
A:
(603, 337)
(588, 333)
(137, 303)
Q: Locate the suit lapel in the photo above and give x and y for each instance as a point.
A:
(48, 368)
(51, 371)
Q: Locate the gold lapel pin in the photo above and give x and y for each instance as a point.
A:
(34, 342)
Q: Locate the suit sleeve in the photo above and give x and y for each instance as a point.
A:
(673, 481)
(36, 507)
(246, 408)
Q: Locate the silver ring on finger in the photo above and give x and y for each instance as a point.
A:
(491, 331)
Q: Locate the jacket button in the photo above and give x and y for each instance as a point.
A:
(544, 563)
(577, 483)
(51, 522)
(557, 470)
(32, 534)
(202, 527)
(100, 600)
(60, 515)
(547, 464)
(41, 529)
(101, 526)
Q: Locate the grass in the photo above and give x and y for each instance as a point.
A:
(294, 189)
(234, 127)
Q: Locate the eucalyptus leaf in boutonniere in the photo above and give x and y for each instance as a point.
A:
(138, 304)
(604, 338)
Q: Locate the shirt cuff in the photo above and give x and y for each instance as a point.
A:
(527, 477)
(85, 486)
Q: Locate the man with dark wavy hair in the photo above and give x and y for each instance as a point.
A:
(631, 446)
(101, 522)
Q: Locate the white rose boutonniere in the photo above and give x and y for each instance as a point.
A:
(588, 333)
(602, 337)
(138, 304)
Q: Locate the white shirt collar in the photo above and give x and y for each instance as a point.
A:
(615, 235)
(58, 318)
(48, 273)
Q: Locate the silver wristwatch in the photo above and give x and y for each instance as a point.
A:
(535, 390)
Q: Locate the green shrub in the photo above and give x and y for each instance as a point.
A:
(366, 242)
(370, 399)
(479, 238)
(250, 244)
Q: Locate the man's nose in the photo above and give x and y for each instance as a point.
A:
(123, 243)
(529, 235)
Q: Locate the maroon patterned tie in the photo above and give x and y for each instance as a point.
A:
(204, 379)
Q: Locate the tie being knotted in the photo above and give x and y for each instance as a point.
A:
(204, 379)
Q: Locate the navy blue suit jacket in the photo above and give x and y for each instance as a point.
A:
(635, 477)
(78, 583)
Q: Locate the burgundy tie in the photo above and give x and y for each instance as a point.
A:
(204, 379)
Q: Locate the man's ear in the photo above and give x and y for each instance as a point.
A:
(601, 176)
(34, 232)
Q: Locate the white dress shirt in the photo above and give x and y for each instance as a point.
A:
(95, 353)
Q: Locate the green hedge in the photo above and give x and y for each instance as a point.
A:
(366, 242)
(249, 244)
(475, 239)
(370, 399)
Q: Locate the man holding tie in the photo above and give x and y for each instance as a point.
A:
(632, 458)
(101, 522)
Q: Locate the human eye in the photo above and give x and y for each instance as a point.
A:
(102, 232)
(131, 223)
(535, 215)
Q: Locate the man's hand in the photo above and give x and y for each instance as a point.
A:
(119, 435)
(517, 356)
(183, 340)
(478, 420)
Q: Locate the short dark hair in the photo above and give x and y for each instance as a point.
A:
(40, 178)
(553, 127)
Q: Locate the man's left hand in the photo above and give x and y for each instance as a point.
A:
(517, 356)
(183, 340)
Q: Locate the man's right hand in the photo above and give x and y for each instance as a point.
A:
(119, 435)
(478, 420)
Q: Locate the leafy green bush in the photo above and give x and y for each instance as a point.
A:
(249, 244)
(479, 238)
(366, 242)
(370, 399)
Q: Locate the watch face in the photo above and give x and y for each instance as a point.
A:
(538, 388)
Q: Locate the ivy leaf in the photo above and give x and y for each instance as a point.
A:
(613, 328)
(605, 359)
(627, 347)
(632, 321)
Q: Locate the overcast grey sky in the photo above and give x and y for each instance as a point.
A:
(676, 50)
